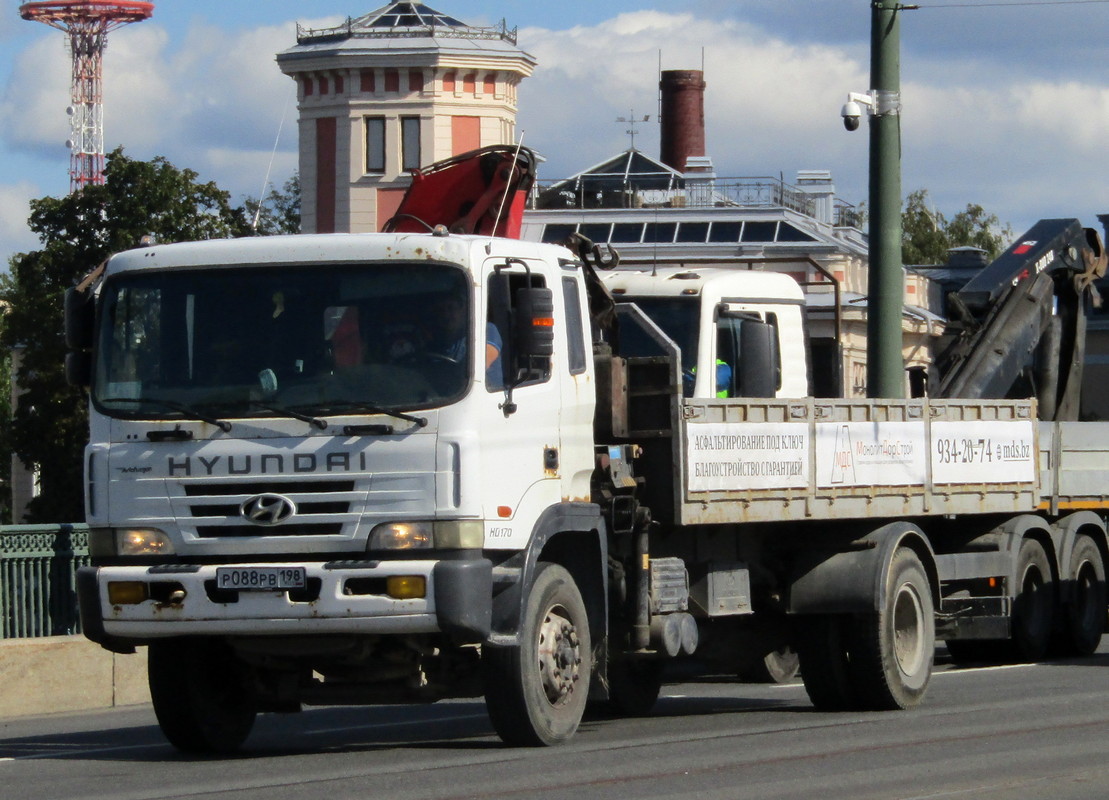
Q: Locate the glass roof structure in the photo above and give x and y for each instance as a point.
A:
(630, 170)
(404, 19)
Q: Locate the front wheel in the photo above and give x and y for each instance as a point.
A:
(892, 651)
(536, 691)
(203, 695)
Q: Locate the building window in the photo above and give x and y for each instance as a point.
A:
(693, 232)
(469, 84)
(392, 80)
(759, 231)
(415, 81)
(448, 82)
(375, 144)
(410, 142)
(489, 87)
(369, 82)
(724, 232)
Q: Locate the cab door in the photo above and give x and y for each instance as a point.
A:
(518, 408)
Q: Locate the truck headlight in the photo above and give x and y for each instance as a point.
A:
(400, 536)
(442, 535)
(110, 542)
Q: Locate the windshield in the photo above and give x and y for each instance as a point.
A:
(678, 318)
(227, 341)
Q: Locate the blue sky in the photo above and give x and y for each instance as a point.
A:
(1006, 106)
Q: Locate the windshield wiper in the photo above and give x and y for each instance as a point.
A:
(366, 408)
(315, 422)
(173, 405)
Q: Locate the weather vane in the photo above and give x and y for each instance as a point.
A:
(632, 120)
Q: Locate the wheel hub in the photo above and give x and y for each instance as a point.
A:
(908, 635)
(559, 656)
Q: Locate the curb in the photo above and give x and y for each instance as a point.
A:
(67, 673)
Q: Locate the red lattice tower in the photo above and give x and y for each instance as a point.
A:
(87, 22)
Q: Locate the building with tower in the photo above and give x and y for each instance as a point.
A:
(398, 88)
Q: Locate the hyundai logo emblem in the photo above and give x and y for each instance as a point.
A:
(267, 509)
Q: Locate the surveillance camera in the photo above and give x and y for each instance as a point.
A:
(852, 113)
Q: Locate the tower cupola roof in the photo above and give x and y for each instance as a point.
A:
(401, 20)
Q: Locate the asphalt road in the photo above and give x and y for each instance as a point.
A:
(1031, 731)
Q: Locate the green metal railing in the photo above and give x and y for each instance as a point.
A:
(38, 569)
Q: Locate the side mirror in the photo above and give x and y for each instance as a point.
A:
(534, 323)
(80, 309)
(78, 368)
(758, 367)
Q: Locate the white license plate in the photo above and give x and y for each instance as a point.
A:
(261, 579)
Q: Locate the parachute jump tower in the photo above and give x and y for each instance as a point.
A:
(87, 22)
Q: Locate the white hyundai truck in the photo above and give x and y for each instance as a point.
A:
(403, 467)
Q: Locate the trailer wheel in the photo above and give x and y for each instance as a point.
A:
(202, 693)
(536, 691)
(822, 652)
(892, 651)
(779, 666)
(972, 651)
(1034, 604)
(633, 686)
(1084, 613)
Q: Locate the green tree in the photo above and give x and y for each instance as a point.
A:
(927, 235)
(279, 213)
(48, 430)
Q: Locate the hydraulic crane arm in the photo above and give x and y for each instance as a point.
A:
(1022, 325)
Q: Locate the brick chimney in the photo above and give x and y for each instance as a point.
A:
(683, 116)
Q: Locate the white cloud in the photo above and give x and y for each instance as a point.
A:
(211, 103)
(973, 131)
(770, 105)
(15, 237)
(32, 109)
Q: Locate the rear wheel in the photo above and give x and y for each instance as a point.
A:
(822, 650)
(634, 686)
(892, 651)
(203, 694)
(1034, 604)
(779, 666)
(1084, 613)
(536, 691)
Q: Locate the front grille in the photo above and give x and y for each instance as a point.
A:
(291, 529)
(280, 487)
(323, 507)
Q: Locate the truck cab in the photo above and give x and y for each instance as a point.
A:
(740, 333)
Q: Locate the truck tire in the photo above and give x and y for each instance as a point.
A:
(1084, 613)
(1033, 605)
(202, 693)
(1032, 619)
(822, 651)
(634, 686)
(975, 651)
(536, 692)
(891, 652)
(779, 666)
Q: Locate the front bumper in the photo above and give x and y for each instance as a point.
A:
(343, 598)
